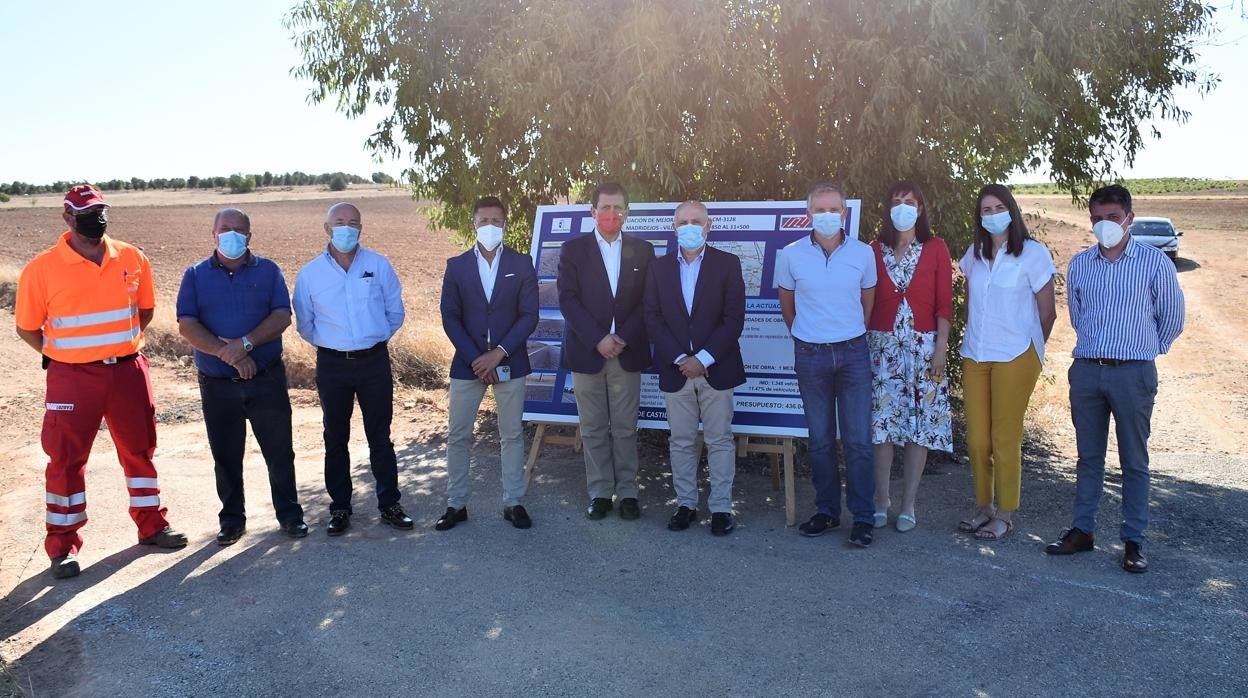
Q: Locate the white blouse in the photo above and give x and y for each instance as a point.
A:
(1003, 319)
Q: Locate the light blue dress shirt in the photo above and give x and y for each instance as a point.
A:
(348, 310)
(689, 272)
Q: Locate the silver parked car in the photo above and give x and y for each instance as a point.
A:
(1158, 232)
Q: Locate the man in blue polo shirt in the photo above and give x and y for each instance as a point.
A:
(233, 308)
(827, 289)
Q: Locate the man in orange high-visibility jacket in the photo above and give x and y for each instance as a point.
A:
(83, 305)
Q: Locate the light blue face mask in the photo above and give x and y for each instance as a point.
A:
(997, 223)
(232, 244)
(827, 223)
(344, 238)
(904, 216)
(690, 236)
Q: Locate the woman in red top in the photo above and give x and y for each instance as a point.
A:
(909, 337)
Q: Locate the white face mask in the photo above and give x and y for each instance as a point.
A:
(490, 237)
(904, 216)
(1108, 233)
(827, 223)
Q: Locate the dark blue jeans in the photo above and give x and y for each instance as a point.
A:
(1127, 392)
(835, 384)
(340, 381)
(228, 406)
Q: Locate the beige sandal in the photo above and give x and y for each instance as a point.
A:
(990, 532)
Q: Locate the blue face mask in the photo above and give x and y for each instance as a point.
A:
(344, 238)
(690, 237)
(827, 223)
(232, 244)
(904, 216)
(997, 223)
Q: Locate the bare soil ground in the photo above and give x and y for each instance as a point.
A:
(485, 609)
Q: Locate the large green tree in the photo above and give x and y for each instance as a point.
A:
(749, 99)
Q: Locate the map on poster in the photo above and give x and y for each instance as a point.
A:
(768, 403)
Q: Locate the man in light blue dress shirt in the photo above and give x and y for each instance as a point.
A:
(348, 304)
(1126, 307)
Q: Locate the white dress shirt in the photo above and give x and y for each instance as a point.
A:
(1003, 318)
(611, 255)
(689, 272)
(489, 275)
(348, 310)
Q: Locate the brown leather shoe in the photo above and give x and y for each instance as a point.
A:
(1073, 541)
(1133, 559)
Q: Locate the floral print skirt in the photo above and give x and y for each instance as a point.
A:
(907, 406)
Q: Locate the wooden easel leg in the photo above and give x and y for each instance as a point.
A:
(790, 505)
(774, 458)
(538, 437)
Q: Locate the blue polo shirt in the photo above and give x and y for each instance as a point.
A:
(231, 304)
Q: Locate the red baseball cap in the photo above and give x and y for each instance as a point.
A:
(84, 196)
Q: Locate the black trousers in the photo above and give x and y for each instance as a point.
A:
(340, 381)
(228, 406)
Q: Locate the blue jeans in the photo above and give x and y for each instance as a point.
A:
(1127, 392)
(835, 384)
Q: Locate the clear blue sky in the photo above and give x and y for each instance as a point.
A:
(102, 90)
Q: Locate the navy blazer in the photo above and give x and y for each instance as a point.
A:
(715, 324)
(588, 308)
(508, 318)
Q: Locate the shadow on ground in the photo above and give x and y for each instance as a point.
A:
(574, 606)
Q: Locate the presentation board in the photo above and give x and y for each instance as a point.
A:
(768, 403)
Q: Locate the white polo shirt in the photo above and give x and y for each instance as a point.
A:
(1003, 318)
(827, 288)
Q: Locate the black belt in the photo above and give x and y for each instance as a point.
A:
(354, 354)
(1110, 362)
(116, 359)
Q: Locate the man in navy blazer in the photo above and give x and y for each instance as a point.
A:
(602, 279)
(489, 309)
(695, 312)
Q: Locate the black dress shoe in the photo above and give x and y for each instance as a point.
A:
(630, 509)
(295, 529)
(165, 538)
(681, 520)
(818, 525)
(339, 522)
(395, 517)
(452, 516)
(721, 523)
(599, 508)
(1133, 559)
(229, 535)
(861, 535)
(517, 516)
(1073, 541)
(65, 566)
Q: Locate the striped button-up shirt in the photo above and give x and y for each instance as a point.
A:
(1127, 309)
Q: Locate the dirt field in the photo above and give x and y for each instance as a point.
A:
(486, 610)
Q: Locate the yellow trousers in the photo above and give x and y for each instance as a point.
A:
(996, 395)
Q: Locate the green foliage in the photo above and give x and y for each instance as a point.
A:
(748, 99)
(1155, 185)
(338, 182)
(382, 178)
(242, 185)
(4, 198)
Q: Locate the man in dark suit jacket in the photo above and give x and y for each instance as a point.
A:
(489, 309)
(601, 283)
(695, 312)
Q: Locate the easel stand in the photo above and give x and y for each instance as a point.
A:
(780, 450)
(542, 437)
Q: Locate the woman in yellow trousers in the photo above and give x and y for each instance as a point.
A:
(1010, 310)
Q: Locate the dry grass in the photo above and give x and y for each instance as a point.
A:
(9, 274)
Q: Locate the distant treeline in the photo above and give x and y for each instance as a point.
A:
(1154, 185)
(236, 183)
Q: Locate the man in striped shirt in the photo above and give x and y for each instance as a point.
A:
(1126, 307)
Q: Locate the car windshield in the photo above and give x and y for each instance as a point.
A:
(1151, 228)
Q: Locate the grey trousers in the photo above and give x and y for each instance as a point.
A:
(698, 401)
(465, 400)
(607, 403)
